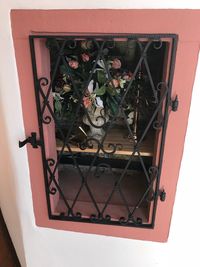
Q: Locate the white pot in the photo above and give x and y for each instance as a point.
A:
(98, 118)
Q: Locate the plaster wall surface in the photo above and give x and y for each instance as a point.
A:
(40, 247)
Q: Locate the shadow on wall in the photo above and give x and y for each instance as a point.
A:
(8, 194)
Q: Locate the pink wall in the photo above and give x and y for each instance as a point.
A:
(183, 23)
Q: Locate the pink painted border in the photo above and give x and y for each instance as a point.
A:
(182, 22)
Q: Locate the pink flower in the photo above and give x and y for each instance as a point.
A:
(87, 102)
(128, 76)
(73, 64)
(85, 57)
(116, 64)
(114, 83)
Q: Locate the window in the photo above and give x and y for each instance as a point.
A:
(103, 104)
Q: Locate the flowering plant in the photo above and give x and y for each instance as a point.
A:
(99, 83)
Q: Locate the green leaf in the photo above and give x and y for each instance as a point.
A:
(101, 77)
(58, 106)
(100, 91)
(65, 78)
(63, 69)
(111, 90)
(113, 107)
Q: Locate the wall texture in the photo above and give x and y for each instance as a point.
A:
(39, 247)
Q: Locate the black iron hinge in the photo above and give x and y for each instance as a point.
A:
(162, 195)
(174, 104)
(32, 140)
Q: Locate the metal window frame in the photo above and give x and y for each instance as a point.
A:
(47, 163)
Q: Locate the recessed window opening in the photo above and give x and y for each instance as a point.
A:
(106, 102)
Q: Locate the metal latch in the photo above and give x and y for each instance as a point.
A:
(174, 104)
(32, 140)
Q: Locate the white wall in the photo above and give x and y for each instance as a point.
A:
(38, 247)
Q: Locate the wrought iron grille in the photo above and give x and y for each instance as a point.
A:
(107, 100)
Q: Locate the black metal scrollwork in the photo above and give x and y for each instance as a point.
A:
(43, 82)
(116, 76)
(157, 44)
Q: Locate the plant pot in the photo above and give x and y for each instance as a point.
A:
(96, 121)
